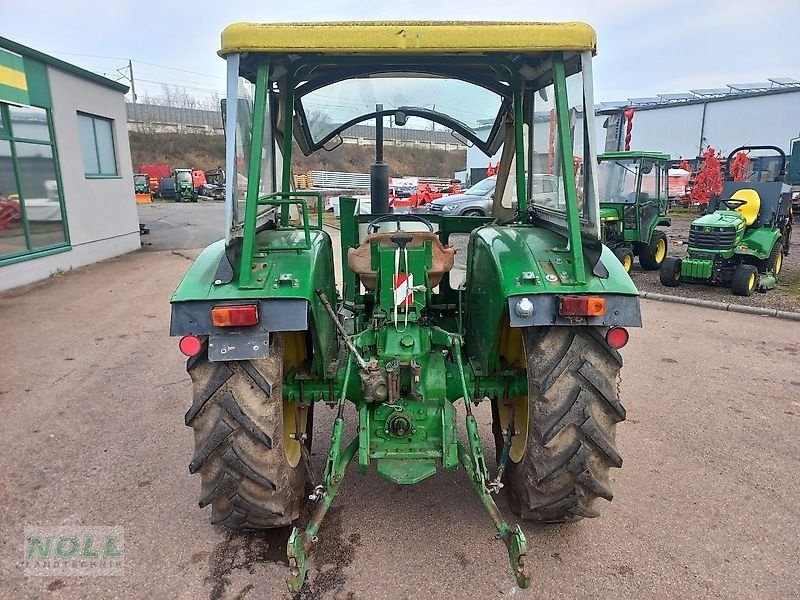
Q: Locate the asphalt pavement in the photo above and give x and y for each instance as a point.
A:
(92, 398)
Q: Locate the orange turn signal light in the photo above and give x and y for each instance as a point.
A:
(581, 306)
(234, 316)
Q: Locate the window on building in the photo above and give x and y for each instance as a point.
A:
(97, 145)
(31, 204)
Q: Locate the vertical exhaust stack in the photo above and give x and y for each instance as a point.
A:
(379, 171)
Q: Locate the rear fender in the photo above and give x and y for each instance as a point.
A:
(509, 263)
(286, 302)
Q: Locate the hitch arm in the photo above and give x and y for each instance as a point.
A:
(301, 540)
(514, 539)
(475, 466)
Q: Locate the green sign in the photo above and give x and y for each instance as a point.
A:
(13, 83)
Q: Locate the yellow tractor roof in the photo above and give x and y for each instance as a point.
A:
(412, 37)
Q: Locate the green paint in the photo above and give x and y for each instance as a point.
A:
(519, 150)
(253, 176)
(27, 52)
(568, 176)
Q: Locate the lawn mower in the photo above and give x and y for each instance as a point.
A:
(742, 239)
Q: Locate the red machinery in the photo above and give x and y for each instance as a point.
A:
(425, 195)
(155, 172)
(9, 211)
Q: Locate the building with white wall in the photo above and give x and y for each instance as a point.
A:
(685, 124)
(66, 182)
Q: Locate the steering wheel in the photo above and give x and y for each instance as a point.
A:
(733, 203)
(400, 218)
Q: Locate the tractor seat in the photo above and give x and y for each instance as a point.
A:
(748, 210)
(360, 259)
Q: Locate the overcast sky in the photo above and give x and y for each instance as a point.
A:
(644, 48)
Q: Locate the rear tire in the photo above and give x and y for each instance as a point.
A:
(745, 280)
(237, 417)
(573, 411)
(670, 272)
(652, 255)
(624, 255)
(774, 262)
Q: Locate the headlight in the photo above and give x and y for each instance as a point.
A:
(450, 206)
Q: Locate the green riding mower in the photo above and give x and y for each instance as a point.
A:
(633, 204)
(742, 239)
(532, 326)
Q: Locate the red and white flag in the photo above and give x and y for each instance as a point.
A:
(403, 289)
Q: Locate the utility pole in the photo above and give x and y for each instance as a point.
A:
(133, 85)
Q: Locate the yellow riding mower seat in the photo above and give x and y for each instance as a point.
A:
(752, 204)
(360, 259)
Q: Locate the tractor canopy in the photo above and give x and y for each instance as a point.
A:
(519, 86)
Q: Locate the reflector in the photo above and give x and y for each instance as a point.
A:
(581, 306)
(234, 316)
(617, 337)
(190, 345)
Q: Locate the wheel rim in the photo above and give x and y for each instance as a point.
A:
(661, 250)
(292, 415)
(627, 262)
(778, 261)
(295, 417)
(751, 283)
(520, 439)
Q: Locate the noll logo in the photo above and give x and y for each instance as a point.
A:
(78, 551)
(707, 230)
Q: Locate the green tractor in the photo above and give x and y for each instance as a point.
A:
(534, 331)
(141, 183)
(184, 186)
(633, 204)
(742, 239)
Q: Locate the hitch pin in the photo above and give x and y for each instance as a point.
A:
(496, 484)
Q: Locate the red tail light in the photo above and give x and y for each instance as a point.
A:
(234, 316)
(617, 337)
(581, 306)
(190, 345)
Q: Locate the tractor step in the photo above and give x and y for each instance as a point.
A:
(406, 472)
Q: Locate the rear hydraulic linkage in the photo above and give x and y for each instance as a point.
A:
(472, 459)
(300, 541)
(475, 466)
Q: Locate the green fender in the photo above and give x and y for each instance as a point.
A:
(758, 242)
(281, 275)
(506, 263)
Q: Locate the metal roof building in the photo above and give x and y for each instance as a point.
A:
(684, 124)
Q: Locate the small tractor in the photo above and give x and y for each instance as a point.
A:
(184, 186)
(634, 190)
(141, 187)
(743, 237)
(533, 333)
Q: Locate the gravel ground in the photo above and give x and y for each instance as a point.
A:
(786, 296)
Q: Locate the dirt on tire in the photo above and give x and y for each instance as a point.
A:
(574, 409)
(237, 417)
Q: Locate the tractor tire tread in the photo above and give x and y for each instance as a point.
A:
(647, 254)
(574, 408)
(237, 417)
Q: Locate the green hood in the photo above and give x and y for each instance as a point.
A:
(720, 218)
